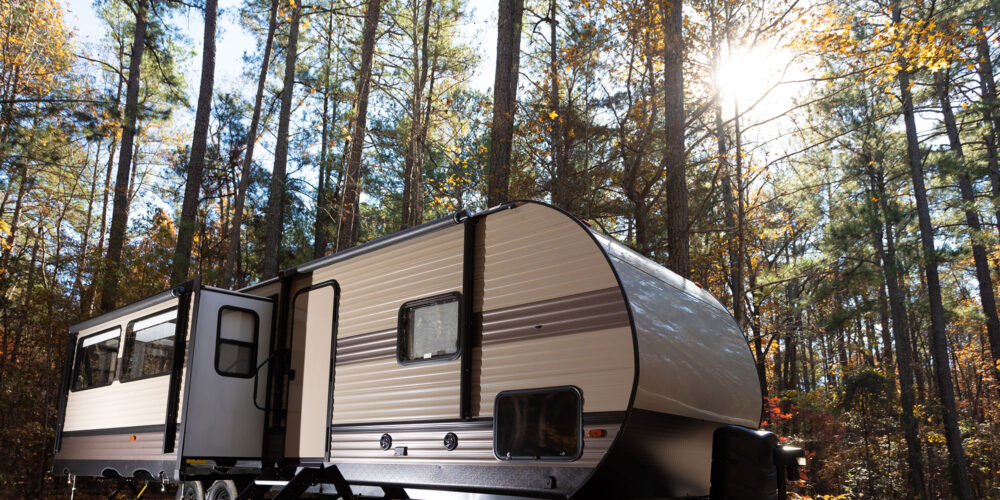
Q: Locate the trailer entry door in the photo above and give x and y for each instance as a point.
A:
(231, 338)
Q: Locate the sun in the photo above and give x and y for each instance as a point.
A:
(759, 79)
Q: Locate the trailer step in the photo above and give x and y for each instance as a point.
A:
(309, 476)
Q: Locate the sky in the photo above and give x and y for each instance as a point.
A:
(232, 42)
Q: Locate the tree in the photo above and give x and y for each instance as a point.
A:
(192, 188)
(674, 151)
(350, 202)
(277, 193)
(119, 212)
(236, 224)
(939, 342)
(509, 17)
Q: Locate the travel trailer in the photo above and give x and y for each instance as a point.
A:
(513, 351)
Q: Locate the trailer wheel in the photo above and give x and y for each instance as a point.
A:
(222, 490)
(191, 490)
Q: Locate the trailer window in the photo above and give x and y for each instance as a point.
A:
(236, 345)
(149, 346)
(538, 424)
(429, 329)
(96, 360)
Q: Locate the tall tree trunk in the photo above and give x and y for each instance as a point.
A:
(241, 190)
(274, 219)
(673, 154)
(350, 200)
(988, 91)
(321, 221)
(196, 167)
(986, 297)
(939, 341)
(413, 170)
(509, 18)
(562, 192)
(119, 211)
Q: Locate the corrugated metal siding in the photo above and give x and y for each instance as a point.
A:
(373, 286)
(139, 402)
(599, 363)
(540, 265)
(383, 391)
(147, 446)
(534, 253)
(475, 447)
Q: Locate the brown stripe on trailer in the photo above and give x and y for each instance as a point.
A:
(568, 315)
(366, 347)
(572, 314)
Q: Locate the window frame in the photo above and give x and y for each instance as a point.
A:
(579, 424)
(401, 328)
(79, 351)
(121, 366)
(255, 346)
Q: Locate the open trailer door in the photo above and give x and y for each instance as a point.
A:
(223, 415)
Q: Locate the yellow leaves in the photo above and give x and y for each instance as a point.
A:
(553, 115)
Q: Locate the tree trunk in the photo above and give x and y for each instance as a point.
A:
(119, 211)
(986, 297)
(196, 167)
(350, 200)
(562, 193)
(276, 196)
(988, 89)
(413, 170)
(241, 190)
(939, 342)
(321, 222)
(673, 154)
(509, 19)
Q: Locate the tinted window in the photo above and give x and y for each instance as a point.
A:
(96, 360)
(429, 329)
(149, 346)
(236, 349)
(538, 424)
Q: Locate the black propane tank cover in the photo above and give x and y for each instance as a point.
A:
(385, 442)
(450, 441)
(743, 464)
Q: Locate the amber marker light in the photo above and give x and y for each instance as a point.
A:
(596, 433)
(131, 438)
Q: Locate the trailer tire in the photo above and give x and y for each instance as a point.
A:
(222, 490)
(191, 490)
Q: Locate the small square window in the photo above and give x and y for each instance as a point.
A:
(236, 345)
(96, 359)
(149, 346)
(538, 424)
(429, 329)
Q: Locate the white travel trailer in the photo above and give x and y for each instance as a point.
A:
(512, 351)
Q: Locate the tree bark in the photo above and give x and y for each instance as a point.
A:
(119, 211)
(350, 200)
(413, 170)
(979, 256)
(322, 219)
(988, 90)
(562, 192)
(939, 341)
(510, 15)
(276, 200)
(196, 167)
(241, 191)
(678, 259)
